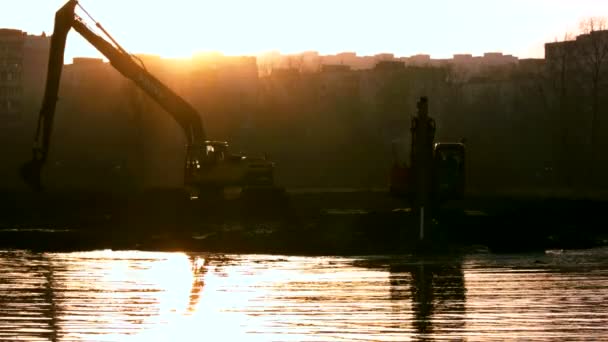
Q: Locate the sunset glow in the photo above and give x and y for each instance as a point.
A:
(439, 27)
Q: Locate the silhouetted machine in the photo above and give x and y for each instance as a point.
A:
(209, 167)
(436, 172)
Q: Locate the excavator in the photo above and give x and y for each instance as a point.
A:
(436, 173)
(209, 167)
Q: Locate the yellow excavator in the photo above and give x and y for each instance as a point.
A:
(209, 167)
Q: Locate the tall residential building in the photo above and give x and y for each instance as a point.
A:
(579, 53)
(23, 60)
(11, 66)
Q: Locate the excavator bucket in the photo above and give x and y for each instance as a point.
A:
(30, 173)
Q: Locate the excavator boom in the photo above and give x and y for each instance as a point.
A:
(66, 19)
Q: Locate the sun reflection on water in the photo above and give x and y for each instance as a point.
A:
(149, 296)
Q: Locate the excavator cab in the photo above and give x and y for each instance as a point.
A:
(215, 152)
(207, 155)
(449, 171)
(211, 169)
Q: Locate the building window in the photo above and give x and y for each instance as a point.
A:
(10, 106)
(6, 92)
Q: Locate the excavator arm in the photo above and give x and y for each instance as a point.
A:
(66, 19)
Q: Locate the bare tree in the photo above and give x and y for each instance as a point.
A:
(265, 68)
(563, 55)
(594, 58)
(295, 62)
(559, 69)
(594, 52)
(138, 104)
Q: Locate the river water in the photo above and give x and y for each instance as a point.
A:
(150, 296)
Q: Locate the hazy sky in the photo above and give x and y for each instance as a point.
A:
(437, 27)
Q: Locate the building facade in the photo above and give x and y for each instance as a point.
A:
(11, 67)
(23, 60)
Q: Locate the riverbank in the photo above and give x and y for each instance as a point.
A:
(303, 222)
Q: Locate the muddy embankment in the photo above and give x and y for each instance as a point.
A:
(302, 222)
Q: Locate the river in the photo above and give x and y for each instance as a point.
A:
(151, 296)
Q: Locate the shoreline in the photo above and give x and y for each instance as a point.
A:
(304, 222)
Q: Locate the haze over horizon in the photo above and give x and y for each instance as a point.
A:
(441, 28)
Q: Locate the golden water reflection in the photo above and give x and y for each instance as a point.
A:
(148, 296)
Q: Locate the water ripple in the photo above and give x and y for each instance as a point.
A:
(145, 296)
